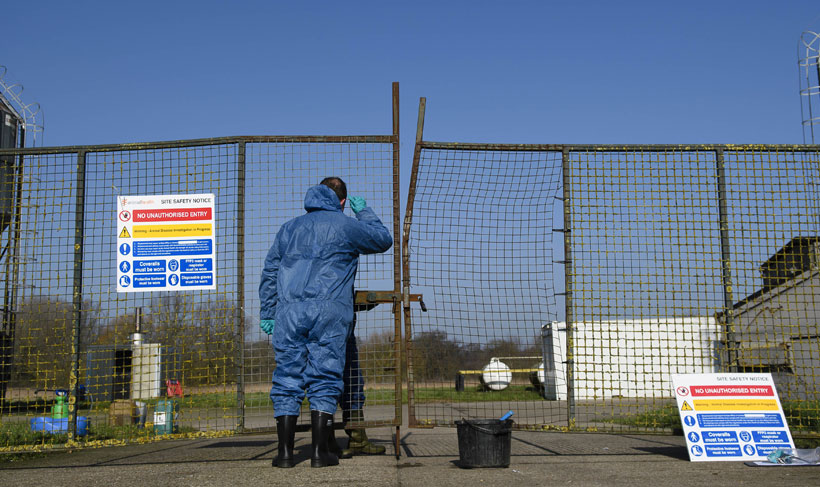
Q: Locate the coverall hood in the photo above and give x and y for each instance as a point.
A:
(320, 197)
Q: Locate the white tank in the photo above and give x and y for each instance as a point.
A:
(496, 376)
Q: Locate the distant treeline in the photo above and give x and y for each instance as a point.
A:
(202, 339)
(201, 336)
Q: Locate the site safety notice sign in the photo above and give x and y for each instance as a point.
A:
(730, 416)
(165, 243)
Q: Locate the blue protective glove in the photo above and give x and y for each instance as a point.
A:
(267, 326)
(357, 203)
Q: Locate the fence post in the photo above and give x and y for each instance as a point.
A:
(725, 262)
(567, 202)
(405, 250)
(397, 255)
(240, 285)
(79, 231)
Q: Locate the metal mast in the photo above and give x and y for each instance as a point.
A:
(808, 55)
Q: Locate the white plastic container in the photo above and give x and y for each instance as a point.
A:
(496, 376)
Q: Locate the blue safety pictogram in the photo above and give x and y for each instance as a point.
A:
(173, 265)
(125, 266)
(749, 450)
(697, 451)
(173, 279)
(745, 436)
(125, 281)
(125, 249)
(694, 437)
(689, 421)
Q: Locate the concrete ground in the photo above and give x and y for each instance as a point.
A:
(429, 457)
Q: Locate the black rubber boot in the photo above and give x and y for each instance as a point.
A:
(321, 424)
(285, 432)
(334, 448)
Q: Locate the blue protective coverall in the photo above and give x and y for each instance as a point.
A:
(307, 287)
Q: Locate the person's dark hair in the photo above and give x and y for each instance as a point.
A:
(337, 185)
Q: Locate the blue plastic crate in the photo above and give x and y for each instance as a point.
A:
(51, 425)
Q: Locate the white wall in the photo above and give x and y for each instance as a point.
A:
(634, 358)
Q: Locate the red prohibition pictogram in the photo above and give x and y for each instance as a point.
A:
(125, 215)
(682, 391)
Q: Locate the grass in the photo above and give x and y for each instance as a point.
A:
(374, 396)
(377, 396)
(802, 417)
(18, 434)
(43, 405)
(511, 393)
(443, 395)
(664, 417)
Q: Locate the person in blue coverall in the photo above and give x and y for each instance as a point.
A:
(306, 295)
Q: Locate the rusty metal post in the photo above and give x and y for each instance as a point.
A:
(396, 265)
(405, 248)
(725, 260)
(77, 291)
(568, 283)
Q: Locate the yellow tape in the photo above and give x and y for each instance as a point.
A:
(515, 371)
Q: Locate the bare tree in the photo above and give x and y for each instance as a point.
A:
(377, 358)
(215, 343)
(43, 339)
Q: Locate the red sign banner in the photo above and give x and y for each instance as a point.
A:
(172, 214)
(705, 391)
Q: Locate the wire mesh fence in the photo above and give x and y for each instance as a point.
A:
(481, 254)
(195, 362)
(568, 283)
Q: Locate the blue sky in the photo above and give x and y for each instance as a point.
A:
(523, 72)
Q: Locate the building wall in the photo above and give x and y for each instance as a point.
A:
(778, 332)
(635, 358)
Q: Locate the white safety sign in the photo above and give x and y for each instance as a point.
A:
(166, 243)
(730, 417)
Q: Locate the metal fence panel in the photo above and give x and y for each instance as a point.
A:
(646, 279)
(65, 327)
(481, 247)
(664, 260)
(773, 209)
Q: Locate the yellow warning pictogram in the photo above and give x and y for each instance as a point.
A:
(124, 233)
(686, 407)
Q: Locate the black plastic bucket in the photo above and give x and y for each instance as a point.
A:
(484, 442)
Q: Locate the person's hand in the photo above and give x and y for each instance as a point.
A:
(267, 326)
(357, 203)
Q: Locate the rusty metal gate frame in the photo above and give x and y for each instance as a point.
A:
(393, 296)
(728, 329)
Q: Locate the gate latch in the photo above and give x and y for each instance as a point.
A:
(366, 300)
